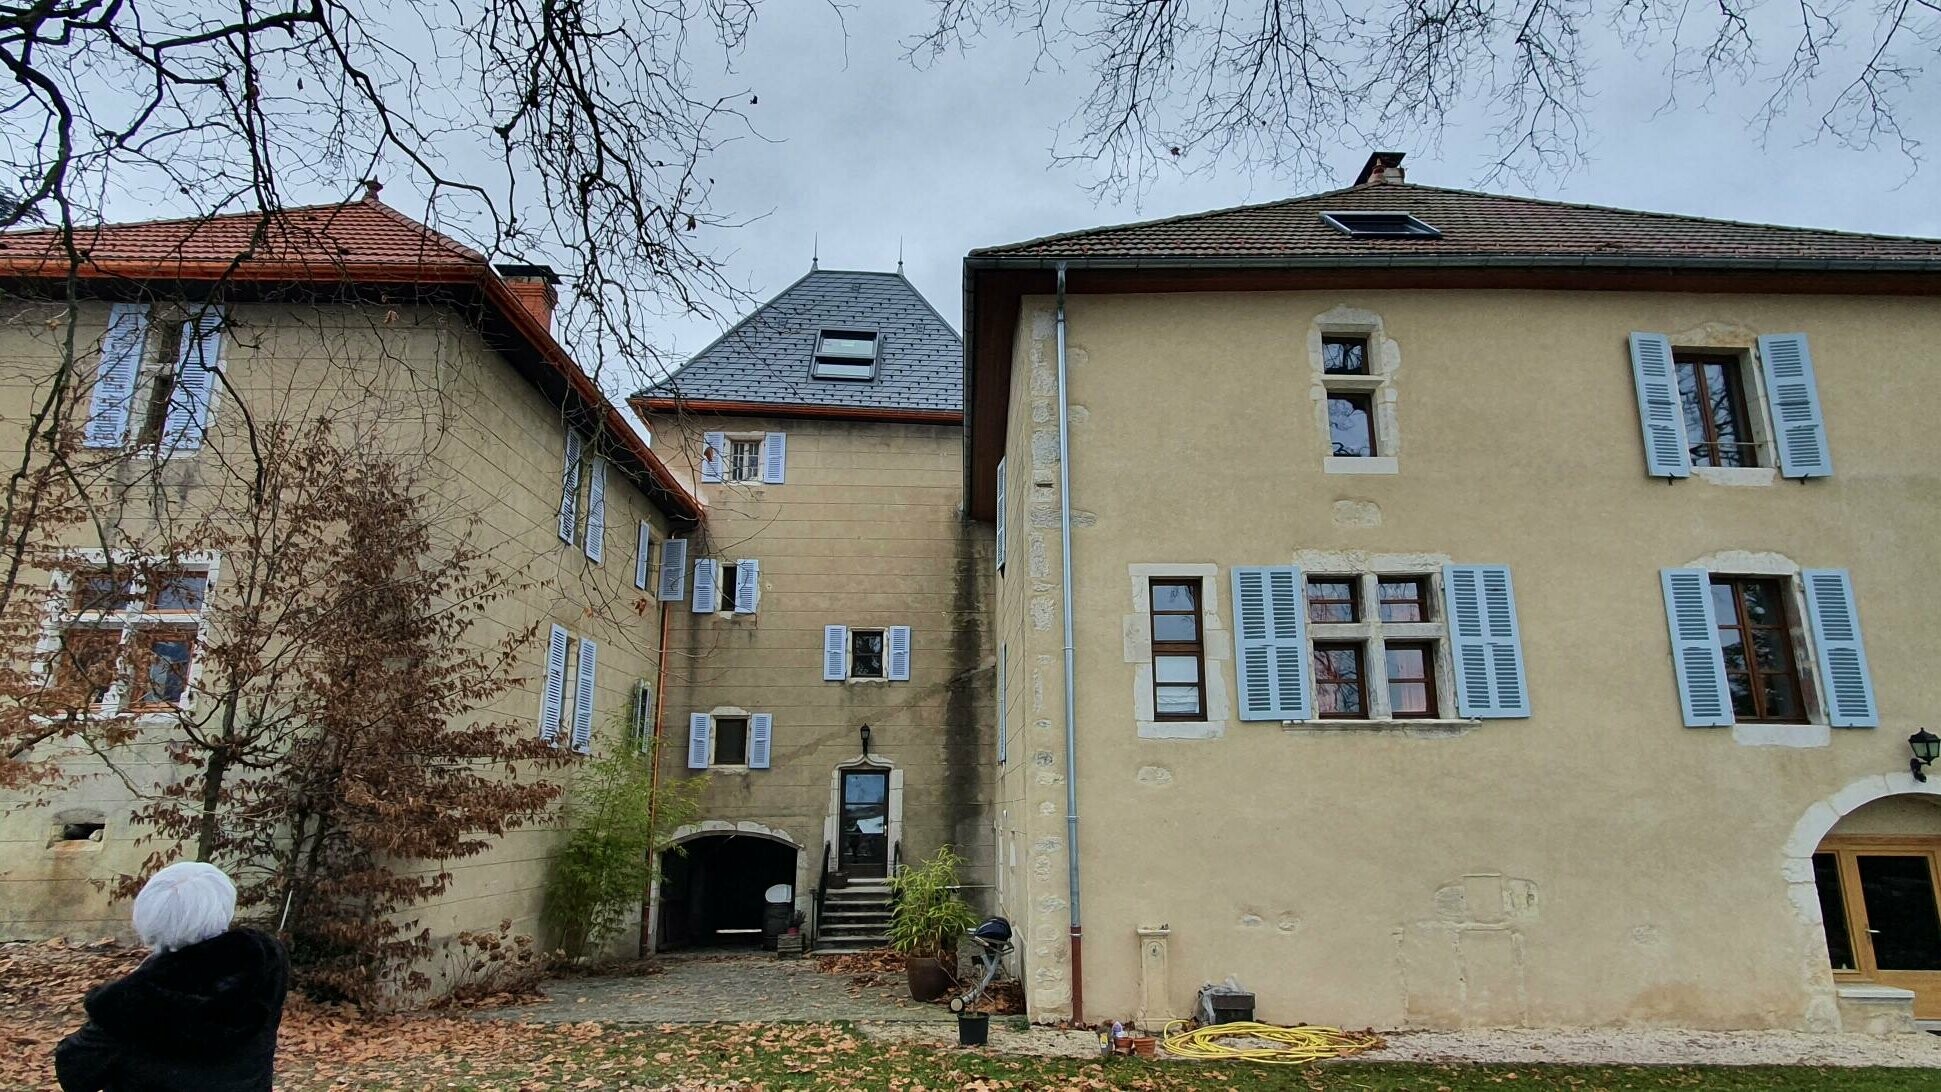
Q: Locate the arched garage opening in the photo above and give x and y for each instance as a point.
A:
(712, 887)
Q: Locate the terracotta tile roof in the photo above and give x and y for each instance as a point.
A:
(1475, 227)
(343, 236)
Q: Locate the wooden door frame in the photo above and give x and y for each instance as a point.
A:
(1846, 850)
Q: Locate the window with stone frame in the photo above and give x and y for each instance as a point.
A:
(126, 639)
(1378, 646)
(1357, 413)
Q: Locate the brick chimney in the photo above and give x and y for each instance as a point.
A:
(536, 287)
(1382, 167)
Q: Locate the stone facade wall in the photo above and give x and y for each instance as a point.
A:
(1594, 864)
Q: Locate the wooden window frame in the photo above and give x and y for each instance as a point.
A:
(882, 634)
(1363, 341)
(733, 468)
(1360, 649)
(141, 638)
(1309, 601)
(1424, 599)
(1427, 680)
(151, 595)
(1736, 403)
(110, 638)
(1195, 648)
(1846, 851)
(1742, 622)
(1365, 400)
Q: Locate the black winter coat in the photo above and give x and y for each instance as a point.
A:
(198, 1019)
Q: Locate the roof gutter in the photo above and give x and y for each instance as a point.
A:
(734, 407)
(1438, 261)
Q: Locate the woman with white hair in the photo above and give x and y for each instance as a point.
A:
(200, 1014)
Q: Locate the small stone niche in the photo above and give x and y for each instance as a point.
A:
(78, 828)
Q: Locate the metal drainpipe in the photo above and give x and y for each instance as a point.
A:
(653, 783)
(1071, 724)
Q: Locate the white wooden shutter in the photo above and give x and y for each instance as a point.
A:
(191, 402)
(1667, 453)
(898, 642)
(761, 730)
(699, 727)
(1003, 739)
(1696, 658)
(673, 571)
(1798, 427)
(707, 590)
(748, 586)
(643, 554)
(775, 447)
(596, 510)
(835, 653)
(1844, 675)
(1486, 641)
(1000, 515)
(1271, 617)
(583, 697)
(553, 698)
(569, 489)
(114, 382)
(714, 455)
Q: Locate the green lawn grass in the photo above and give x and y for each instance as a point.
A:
(785, 1056)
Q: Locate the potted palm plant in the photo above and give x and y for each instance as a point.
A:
(926, 921)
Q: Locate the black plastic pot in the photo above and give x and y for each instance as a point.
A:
(973, 1028)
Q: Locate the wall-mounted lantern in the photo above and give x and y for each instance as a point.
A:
(864, 732)
(1926, 747)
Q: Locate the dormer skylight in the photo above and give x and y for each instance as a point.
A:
(1379, 225)
(845, 354)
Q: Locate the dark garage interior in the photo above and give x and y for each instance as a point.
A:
(711, 890)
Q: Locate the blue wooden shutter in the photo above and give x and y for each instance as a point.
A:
(1486, 642)
(193, 398)
(643, 554)
(898, 642)
(1003, 741)
(553, 699)
(1794, 394)
(1271, 618)
(835, 653)
(714, 455)
(1695, 653)
(1844, 676)
(114, 383)
(699, 727)
(1667, 453)
(569, 489)
(761, 731)
(596, 511)
(748, 586)
(775, 447)
(583, 697)
(707, 589)
(673, 571)
(1000, 515)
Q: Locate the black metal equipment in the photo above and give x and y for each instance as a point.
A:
(993, 940)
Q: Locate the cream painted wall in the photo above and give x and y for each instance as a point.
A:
(865, 531)
(1597, 863)
(423, 385)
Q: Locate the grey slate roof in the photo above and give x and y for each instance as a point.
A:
(766, 357)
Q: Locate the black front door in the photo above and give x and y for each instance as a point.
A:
(865, 841)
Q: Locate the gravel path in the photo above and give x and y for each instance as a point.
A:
(699, 989)
(1589, 1046)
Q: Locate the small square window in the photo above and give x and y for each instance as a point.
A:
(1404, 599)
(1351, 425)
(730, 741)
(177, 590)
(1332, 599)
(1340, 688)
(1344, 355)
(1411, 669)
(102, 590)
(845, 354)
(1379, 225)
(865, 653)
(744, 460)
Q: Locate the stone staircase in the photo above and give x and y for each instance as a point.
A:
(855, 917)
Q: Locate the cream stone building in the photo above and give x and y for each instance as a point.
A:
(189, 333)
(829, 660)
(1483, 611)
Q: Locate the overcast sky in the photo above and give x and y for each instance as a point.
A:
(864, 150)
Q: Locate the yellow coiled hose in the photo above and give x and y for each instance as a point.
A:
(1293, 1046)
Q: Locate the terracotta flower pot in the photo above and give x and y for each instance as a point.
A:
(929, 979)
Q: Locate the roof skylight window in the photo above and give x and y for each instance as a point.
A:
(1379, 225)
(845, 354)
